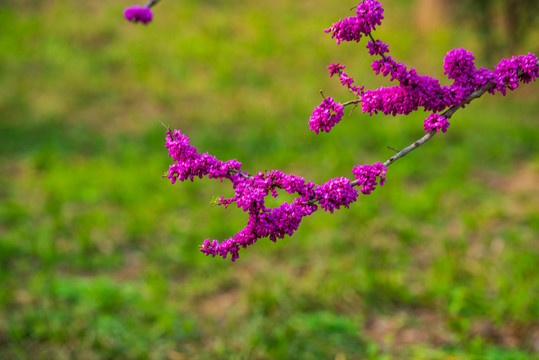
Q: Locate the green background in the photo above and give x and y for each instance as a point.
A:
(99, 256)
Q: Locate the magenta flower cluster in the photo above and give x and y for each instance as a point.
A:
(369, 13)
(378, 47)
(435, 122)
(250, 192)
(335, 69)
(505, 75)
(415, 91)
(411, 92)
(326, 115)
(367, 176)
(137, 14)
(188, 163)
(336, 193)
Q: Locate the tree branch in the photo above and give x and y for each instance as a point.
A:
(447, 114)
(151, 3)
(410, 148)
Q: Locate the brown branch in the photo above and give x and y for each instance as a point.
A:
(356, 101)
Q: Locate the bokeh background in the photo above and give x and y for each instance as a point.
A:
(99, 256)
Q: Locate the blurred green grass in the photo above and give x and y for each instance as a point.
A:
(99, 255)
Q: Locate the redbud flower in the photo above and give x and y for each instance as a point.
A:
(358, 90)
(506, 76)
(459, 64)
(377, 48)
(369, 14)
(137, 14)
(529, 67)
(366, 176)
(481, 77)
(346, 80)
(326, 115)
(436, 122)
(335, 68)
(189, 163)
(336, 193)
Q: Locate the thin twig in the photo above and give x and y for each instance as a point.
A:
(351, 111)
(356, 101)
(410, 148)
(151, 3)
(165, 126)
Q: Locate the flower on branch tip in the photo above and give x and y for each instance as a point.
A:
(435, 122)
(137, 14)
(371, 11)
(326, 115)
(506, 72)
(189, 163)
(369, 14)
(273, 223)
(529, 66)
(367, 175)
